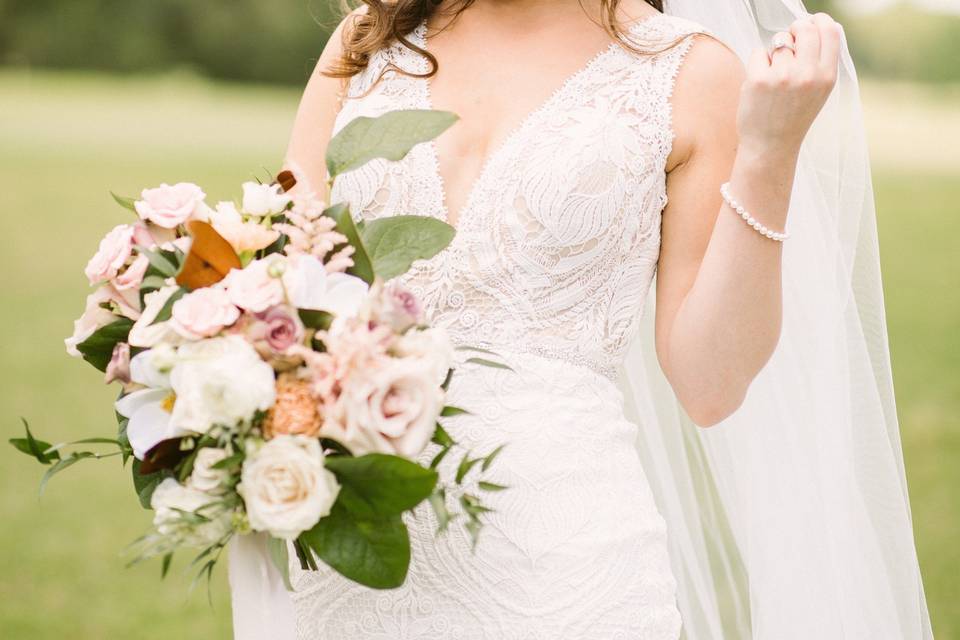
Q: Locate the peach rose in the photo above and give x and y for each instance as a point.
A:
(242, 236)
(295, 411)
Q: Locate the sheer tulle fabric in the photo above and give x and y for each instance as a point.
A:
(791, 518)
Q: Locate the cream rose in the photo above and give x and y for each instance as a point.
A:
(263, 199)
(390, 409)
(204, 477)
(286, 487)
(431, 346)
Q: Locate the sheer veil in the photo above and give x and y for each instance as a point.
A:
(791, 518)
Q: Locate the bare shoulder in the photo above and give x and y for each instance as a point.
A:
(706, 96)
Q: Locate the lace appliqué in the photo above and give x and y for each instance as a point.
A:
(559, 238)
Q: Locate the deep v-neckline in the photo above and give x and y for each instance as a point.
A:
(476, 185)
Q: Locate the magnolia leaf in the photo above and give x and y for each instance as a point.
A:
(280, 556)
(98, 348)
(378, 484)
(362, 267)
(395, 242)
(374, 552)
(210, 258)
(125, 202)
(390, 136)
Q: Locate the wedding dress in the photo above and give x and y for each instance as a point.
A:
(554, 253)
(790, 520)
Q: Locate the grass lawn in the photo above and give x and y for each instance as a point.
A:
(67, 139)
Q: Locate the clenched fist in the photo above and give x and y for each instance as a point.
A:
(785, 90)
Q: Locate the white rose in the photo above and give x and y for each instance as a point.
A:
(309, 286)
(432, 346)
(204, 477)
(286, 487)
(219, 381)
(263, 199)
(170, 498)
(391, 409)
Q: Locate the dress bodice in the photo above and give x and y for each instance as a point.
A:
(557, 243)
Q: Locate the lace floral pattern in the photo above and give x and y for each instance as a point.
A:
(558, 240)
(554, 254)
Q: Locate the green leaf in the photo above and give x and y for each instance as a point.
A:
(373, 552)
(439, 504)
(33, 447)
(159, 261)
(165, 567)
(450, 410)
(62, 464)
(166, 311)
(395, 242)
(98, 348)
(465, 465)
(314, 319)
(390, 136)
(489, 363)
(362, 267)
(439, 457)
(281, 559)
(125, 202)
(491, 486)
(441, 437)
(378, 484)
(488, 460)
(230, 462)
(145, 484)
(152, 283)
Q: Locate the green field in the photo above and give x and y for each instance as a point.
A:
(67, 139)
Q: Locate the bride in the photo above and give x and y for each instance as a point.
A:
(600, 143)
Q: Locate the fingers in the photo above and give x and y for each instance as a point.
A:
(807, 33)
(831, 39)
(780, 57)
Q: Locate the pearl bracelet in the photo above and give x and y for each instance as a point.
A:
(749, 219)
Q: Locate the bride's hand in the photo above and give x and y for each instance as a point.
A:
(784, 92)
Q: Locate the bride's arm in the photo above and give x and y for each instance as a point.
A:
(316, 114)
(718, 280)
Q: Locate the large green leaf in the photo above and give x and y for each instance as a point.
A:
(378, 484)
(145, 484)
(394, 242)
(98, 348)
(389, 136)
(362, 267)
(372, 552)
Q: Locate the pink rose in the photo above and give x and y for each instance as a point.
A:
(254, 288)
(400, 308)
(204, 313)
(150, 235)
(278, 327)
(132, 277)
(169, 206)
(112, 254)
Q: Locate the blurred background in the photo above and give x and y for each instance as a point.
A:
(99, 95)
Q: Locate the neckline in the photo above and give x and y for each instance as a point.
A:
(475, 186)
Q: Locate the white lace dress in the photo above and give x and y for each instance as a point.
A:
(554, 255)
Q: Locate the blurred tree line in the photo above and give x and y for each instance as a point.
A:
(278, 41)
(275, 41)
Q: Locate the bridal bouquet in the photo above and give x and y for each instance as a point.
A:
(276, 377)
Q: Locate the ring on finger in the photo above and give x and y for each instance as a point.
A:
(782, 40)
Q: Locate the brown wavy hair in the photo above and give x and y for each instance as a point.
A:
(385, 22)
